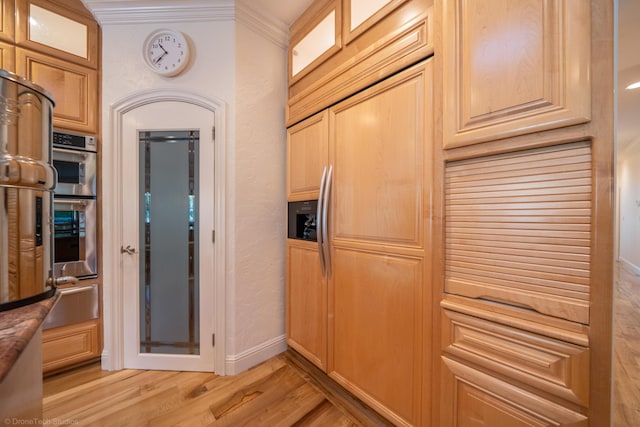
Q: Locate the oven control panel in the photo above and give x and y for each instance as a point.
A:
(79, 142)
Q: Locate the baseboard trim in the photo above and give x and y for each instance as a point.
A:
(631, 265)
(238, 363)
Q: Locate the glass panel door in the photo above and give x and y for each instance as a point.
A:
(168, 235)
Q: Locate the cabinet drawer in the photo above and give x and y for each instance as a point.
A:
(550, 365)
(479, 399)
(65, 346)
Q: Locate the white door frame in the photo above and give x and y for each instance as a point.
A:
(112, 289)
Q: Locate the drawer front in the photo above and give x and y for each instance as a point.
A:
(550, 365)
(479, 399)
(69, 345)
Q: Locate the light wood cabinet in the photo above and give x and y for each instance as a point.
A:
(69, 345)
(7, 56)
(74, 89)
(7, 21)
(379, 285)
(527, 135)
(58, 29)
(306, 302)
(307, 155)
(511, 68)
(363, 322)
(388, 36)
(316, 39)
(361, 15)
(479, 399)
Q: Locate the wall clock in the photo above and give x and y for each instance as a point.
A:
(166, 52)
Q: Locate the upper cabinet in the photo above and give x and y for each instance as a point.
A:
(52, 30)
(7, 26)
(514, 67)
(307, 154)
(74, 88)
(360, 15)
(57, 46)
(316, 41)
(339, 47)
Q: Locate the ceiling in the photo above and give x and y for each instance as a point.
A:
(285, 11)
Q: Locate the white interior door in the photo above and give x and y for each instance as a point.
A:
(167, 245)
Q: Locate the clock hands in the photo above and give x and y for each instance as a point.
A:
(157, 60)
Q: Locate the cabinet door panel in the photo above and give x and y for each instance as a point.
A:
(307, 154)
(360, 15)
(378, 160)
(379, 296)
(7, 56)
(316, 36)
(513, 67)
(306, 303)
(74, 89)
(71, 35)
(7, 20)
(375, 329)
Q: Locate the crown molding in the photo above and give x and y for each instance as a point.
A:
(128, 12)
(269, 27)
(114, 12)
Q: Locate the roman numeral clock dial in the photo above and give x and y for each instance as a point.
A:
(166, 52)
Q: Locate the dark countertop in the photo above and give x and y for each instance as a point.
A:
(17, 327)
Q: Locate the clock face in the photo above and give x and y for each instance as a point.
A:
(166, 52)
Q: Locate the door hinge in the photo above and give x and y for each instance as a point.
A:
(213, 236)
(213, 133)
(213, 340)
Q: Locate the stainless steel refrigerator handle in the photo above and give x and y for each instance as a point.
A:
(325, 233)
(318, 220)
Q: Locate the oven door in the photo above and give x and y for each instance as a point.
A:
(75, 237)
(76, 172)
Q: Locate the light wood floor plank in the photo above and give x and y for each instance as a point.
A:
(626, 406)
(275, 393)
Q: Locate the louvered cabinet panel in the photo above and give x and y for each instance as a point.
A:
(518, 229)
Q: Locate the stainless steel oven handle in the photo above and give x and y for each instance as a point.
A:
(63, 280)
(75, 290)
(318, 221)
(76, 153)
(80, 202)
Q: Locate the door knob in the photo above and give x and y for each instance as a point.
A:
(128, 250)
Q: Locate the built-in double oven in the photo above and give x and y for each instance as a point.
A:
(75, 212)
(75, 228)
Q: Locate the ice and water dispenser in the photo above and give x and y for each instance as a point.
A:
(302, 220)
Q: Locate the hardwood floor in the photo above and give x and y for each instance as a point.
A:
(275, 393)
(626, 401)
